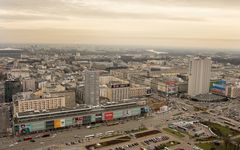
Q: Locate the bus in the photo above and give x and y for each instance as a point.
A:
(109, 132)
(27, 138)
(46, 135)
(89, 136)
(184, 109)
(112, 123)
(229, 123)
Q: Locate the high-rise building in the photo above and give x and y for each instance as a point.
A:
(118, 91)
(11, 87)
(4, 119)
(199, 75)
(28, 85)
(91, 88)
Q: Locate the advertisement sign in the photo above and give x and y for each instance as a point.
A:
(218, 87)
(59, 123)
(126, 113)
(25, 129)
(78, 120)
(171, 89)
(50, 124)
(87, 119)
(120, 85)
(170, 83)
(108, 116)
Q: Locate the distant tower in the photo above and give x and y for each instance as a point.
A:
(78, 55)
(91, 88)
(11, 88)
(199, 75)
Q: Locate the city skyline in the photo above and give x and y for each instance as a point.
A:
(194, 24)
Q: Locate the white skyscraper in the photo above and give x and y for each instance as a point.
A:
(91, 88)
(199, 75)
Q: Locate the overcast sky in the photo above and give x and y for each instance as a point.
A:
(189, 23)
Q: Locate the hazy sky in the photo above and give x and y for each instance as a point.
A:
(200, 23)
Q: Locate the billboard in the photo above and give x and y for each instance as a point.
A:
(171, 89)
(25, 129)
(59, 123)
(218, 87)
(126, 113)
(78, 120)
(50, 124)
(98, 117)
(119, 85)
(108, 116)
(118, 114)
(86, 120)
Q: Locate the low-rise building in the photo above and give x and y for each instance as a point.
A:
(32, 103)
(137, 90)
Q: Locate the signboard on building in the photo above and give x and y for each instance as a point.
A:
(108, 116)
(59, 123)
(78, 120)
(126, 113)
(120, 85)
(25, 129)
(218, 87)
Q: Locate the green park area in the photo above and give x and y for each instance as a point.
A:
(210, 146)
(221, 131)
(175, 132)
(237, 140)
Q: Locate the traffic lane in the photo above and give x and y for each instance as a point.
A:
(69, 135)
(61, 137)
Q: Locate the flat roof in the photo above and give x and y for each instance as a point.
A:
(73, 110)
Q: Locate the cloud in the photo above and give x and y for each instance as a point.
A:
(178, 10)
(118, 18)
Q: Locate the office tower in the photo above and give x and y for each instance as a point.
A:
(91, 88)
(11, 87)
(118, 91)
(199, 75)
(4, 119)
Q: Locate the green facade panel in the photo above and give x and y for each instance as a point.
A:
(93, 118)
(69, 121)
(36, 126)
(135, 111)
(117, 114)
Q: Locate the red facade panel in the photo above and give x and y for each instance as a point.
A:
(108, 116)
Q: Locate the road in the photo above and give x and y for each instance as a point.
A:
(68, 136)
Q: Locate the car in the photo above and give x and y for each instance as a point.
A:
(88, 127)
(73, 143)
(27, 138)
(68, 144)
(46, 135)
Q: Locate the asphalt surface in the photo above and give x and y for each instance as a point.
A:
(68, 136)
(155, 121)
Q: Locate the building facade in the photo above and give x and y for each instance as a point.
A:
(46, 121)
(91, 88)
(11, 87)
(28, 85)
(41, 104)
(199, 76)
